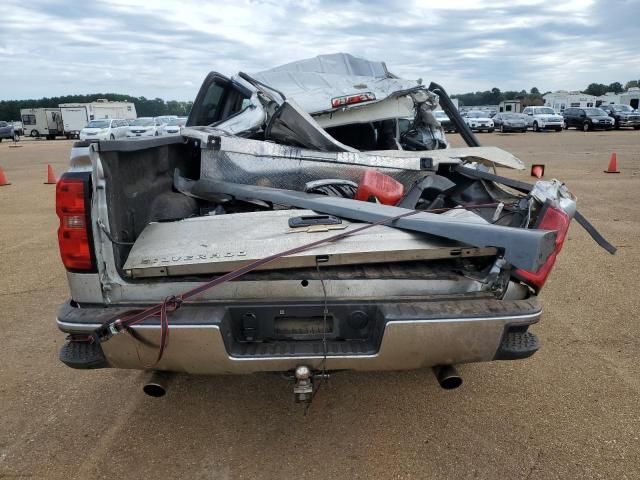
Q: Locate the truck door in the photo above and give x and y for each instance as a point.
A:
(218, 99)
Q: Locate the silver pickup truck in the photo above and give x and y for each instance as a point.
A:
(279, 236)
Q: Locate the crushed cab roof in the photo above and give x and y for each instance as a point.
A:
(314, 82)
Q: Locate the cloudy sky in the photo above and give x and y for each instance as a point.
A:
(162, 48)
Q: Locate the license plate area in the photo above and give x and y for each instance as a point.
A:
(303, 328)
(297, 323)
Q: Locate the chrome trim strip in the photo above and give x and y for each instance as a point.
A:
(73, 325)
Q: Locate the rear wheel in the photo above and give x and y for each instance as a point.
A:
(34, 133)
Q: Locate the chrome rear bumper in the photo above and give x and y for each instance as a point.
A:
(411, 335)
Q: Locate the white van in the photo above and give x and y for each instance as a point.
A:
(104, 129)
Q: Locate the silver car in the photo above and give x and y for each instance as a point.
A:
(510, 122)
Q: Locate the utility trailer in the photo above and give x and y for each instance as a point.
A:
(42, 122)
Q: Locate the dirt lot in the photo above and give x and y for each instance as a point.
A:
(571, 411)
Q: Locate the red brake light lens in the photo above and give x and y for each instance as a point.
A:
(73, 234)
(383, 187)
(553, 219)
(351, 99)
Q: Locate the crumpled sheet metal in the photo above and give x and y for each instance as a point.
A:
(313, 82)
(253, 162)
(557, 193)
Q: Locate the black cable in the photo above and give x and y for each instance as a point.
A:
(108, 235)
(325, 313)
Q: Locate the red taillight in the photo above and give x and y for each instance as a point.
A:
(553, 219)
(383, 187)
(351, 99)
(73, 233)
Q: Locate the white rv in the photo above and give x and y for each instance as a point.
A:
(42, 122)
(103, 108)
(76, 116)
(562, 99)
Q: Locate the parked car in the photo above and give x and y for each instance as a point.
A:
(543, 118)
(445, 121)
(7, 131)
(478, 121)
(104, 129)
(143, 127)
(623, 115)
(275, 280)
(510, 122)
(587, 119)
(173, 126)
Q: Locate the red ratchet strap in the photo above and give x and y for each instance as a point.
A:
(172, 303)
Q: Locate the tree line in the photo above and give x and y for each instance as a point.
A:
(153, 107)
(533, 96)
(145, 107)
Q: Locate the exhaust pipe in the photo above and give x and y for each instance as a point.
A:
(447, 376)
(157, 384)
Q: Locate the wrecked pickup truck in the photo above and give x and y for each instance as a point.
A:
(310, 219)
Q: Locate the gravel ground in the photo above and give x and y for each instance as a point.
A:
(571, 411)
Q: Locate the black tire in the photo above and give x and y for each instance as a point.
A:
(586, 127)
(566, 126)
(501, 128)
(34, 133)
(536, 128)
(112, 137)
(491, 130)
(617, 125)
(636, 127)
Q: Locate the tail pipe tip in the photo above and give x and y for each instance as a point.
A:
(447, 376)
(157, 384)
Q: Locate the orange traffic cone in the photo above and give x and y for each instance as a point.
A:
(51, 178)
(613, 164)
(3, 179)
(537, 170)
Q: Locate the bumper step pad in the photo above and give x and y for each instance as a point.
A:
(517, 345)
(82, 355)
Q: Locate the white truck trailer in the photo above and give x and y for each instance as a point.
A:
(42, 122)
(75, 116)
